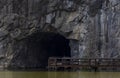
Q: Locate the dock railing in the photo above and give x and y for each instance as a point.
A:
(67, 62)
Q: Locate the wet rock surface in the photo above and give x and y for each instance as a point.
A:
(92, 26)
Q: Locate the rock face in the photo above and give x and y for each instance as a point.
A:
(92, 26)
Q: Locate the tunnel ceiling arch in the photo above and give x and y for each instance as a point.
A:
(38, 47)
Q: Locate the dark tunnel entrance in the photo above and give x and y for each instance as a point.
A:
(39, 47)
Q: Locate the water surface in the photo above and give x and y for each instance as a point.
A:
(23, 74)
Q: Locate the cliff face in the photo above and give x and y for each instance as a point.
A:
(91, 26)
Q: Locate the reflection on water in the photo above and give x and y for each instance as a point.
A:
(10, 74)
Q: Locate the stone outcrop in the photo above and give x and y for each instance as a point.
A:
(92, 26)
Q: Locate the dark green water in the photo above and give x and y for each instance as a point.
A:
(10, 74)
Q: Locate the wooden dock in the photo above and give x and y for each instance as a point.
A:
(55, 63)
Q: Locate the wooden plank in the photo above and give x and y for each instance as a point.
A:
(83, 62)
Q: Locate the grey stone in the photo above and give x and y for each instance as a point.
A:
(92, 26)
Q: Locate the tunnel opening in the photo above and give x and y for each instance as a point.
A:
(37, 48)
